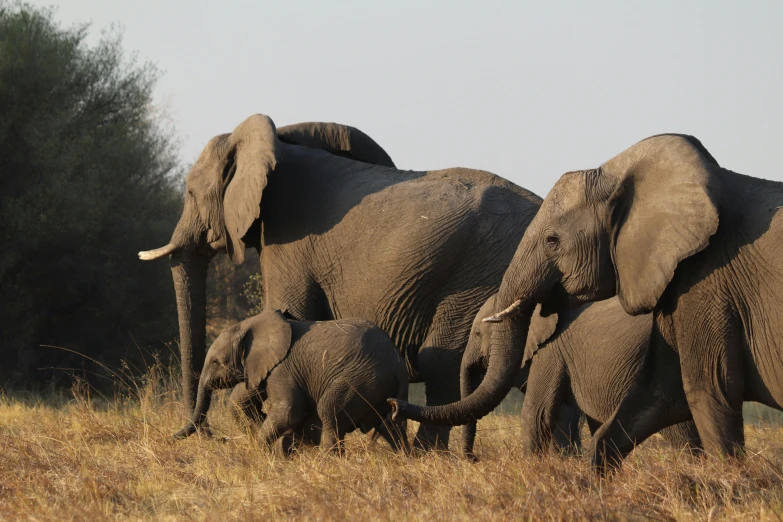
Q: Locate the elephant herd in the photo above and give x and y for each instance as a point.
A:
(643, 294)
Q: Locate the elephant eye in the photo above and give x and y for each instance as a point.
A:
(552, 242)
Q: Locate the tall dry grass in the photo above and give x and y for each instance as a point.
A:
(81, 457)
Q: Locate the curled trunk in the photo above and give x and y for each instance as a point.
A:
(189, 271)
(508, 342)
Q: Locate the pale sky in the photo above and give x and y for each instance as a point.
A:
(527, 90)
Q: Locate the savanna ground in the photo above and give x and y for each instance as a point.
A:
(79, 456)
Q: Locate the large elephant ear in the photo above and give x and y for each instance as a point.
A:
(337, 139)
(540, 330)
(663, 210)
(269, 339)
(252, 157)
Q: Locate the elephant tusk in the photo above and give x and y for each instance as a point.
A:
(149, 255)
(498, 317)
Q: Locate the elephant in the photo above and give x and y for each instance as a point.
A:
(583, 359)
(667, 230)
(318, 380)
(566, 421)
(339, 237)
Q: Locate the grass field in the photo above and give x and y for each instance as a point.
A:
(78, 457)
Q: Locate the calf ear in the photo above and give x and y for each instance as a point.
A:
(541, 329)
(663, 211)
(267, 343)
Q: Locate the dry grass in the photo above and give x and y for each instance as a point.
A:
(76, 458)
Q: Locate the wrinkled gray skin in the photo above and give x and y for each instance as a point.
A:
(564, 423)
(582, 359)
(318, 381)
(345, 238)
(667, 230)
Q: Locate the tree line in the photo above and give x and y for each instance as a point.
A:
(89, 176)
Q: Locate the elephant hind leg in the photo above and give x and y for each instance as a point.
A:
(439, 368)
(565, 432)
(683, 436)
(393, 432)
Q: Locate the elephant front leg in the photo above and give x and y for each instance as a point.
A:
(713, 379)
(246, 405)
(717, 412)
(286, 414)
(655, 400)
(546, 387)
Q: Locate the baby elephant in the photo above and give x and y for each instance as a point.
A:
(587, 357)
(332, 375)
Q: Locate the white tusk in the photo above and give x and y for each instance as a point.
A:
(498, 317)
(149, 255)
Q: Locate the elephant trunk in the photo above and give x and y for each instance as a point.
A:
(199, 417)
(469, 377)
(189, 271)
(508, 342)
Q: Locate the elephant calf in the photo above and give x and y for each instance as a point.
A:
(332, 375)
(588, 357)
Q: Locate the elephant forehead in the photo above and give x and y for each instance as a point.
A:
(568, 193)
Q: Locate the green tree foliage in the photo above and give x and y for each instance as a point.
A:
(88, 177)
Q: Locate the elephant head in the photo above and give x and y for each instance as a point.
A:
(621, 229)
(475, 359)
(223, 202)
(247, 351)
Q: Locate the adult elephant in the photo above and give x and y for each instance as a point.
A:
(668, 230)
(343, 238)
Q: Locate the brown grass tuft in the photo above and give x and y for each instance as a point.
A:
(80, 458)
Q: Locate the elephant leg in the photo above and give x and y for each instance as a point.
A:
(566, 431)
(593, 425)
(713, 379)
(285, 414)
(546, 387)
(394, 433)
(439, 368)
(246, 405)
(338, 409)
(272, 429)
(655, 400)
(683, 436)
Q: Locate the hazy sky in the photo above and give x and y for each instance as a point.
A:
(527, 90)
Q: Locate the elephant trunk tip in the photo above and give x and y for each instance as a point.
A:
(149, 255)
(498, 317)
(395, 405)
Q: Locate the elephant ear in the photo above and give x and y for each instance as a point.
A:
(663, 210)
(337, 139)
(268, 343)
(540, 330)
(252, 157)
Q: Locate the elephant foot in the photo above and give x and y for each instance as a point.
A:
(470, 456)
(604, 457)
(190, 429)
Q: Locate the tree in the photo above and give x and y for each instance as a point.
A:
(88, 177)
